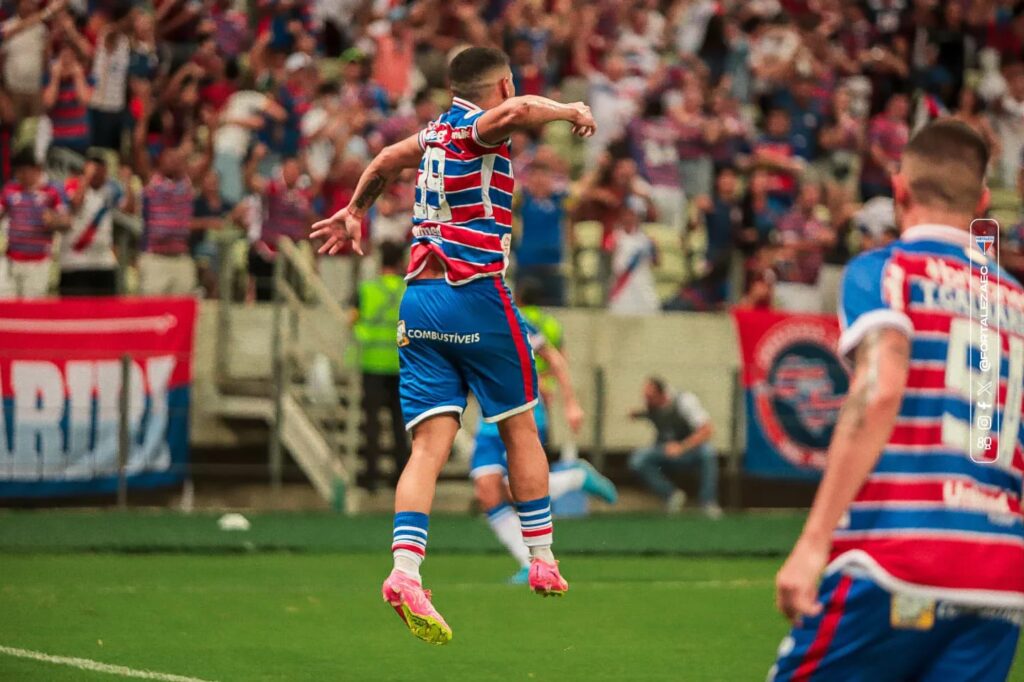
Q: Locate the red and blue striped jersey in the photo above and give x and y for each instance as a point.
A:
(940, 514)
(463, 210)
(28, 237)
(167, 212)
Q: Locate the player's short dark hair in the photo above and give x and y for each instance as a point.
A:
(469, 67)
(944, 164)
(24, 158)
(391, 254)
(658, 383)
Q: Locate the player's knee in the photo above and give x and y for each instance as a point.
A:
(520, 429)
(636, 461)
(488, 491)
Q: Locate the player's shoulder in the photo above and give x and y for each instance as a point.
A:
(871, 263)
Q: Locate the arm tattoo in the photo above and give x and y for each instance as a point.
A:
(374, 186)
(869, 355)
(851, 416)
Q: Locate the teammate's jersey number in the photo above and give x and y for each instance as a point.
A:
(980, 388)
(432, 204)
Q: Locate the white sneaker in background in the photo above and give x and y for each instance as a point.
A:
(676, 502)
(712, 511)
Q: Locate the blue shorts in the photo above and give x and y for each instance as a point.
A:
(457, 339)
(866, 634)
(489, 454)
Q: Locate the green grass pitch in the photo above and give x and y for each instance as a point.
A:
(304, 603)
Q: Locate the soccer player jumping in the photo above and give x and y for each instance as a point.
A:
(918, 516)
(459, 330)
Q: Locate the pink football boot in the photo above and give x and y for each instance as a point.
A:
(412, 604)
(546, 580)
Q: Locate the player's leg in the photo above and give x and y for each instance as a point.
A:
(371, 428)
(704, 458)
(488, 470)
(399, 436)
(648, 464)
(502, 375)
(433, 397)
(981, 648)
(851, 639)
(403, 590)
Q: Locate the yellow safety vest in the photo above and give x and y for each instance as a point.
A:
(379, 301)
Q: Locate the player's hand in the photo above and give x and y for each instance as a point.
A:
(574, 416)
(583, 124)
(796, 584)
(674, 449)
(336, 231)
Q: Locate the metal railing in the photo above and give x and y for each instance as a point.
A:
(307, 322)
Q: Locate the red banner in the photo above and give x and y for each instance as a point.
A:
(60, 378)
(794, 383)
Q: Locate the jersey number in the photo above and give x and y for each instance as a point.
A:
(980, 388)
(432, 204)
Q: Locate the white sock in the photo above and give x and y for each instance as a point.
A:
(409, 563)
(543, 552)
(565, 481)
(505, 524)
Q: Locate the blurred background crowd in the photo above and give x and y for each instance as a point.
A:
(743, 155)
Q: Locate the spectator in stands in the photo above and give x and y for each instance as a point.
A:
(775, 154)
(88, 264)
(683, 439)
(291, 207)
(168, 211)
(634, 256)
(693, 145)
(24, 60)
(887, 136)
(109, 104)
(66, 94)
(804, 234)
(842, 139)
(212, 212)
(653, 139)
(35, 209)
(376, 318)
(723, 225)
(539, 251)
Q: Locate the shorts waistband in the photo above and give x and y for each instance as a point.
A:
(435, 281)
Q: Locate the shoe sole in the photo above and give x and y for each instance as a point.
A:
(548, 592)
(427, 628)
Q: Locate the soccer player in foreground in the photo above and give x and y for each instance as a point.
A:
(459, 330)
(918, 516)
(489, 466)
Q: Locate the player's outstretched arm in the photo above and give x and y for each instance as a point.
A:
(531, 111)
(346, 225)
(560, 369)
(862, 431)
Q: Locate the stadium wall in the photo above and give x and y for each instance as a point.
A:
(695, 351)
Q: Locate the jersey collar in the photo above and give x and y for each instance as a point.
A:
(464, 104)
(937, 233)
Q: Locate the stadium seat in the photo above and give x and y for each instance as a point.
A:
(588, 234)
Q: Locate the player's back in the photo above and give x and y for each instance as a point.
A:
(463, 211)
(941, 510)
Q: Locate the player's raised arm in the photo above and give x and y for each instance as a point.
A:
(529, 112)
(345, 225)
(865, 423)
(560, 369)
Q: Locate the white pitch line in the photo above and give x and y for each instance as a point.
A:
(96, 666)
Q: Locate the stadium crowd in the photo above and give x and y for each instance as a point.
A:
(753, 141)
